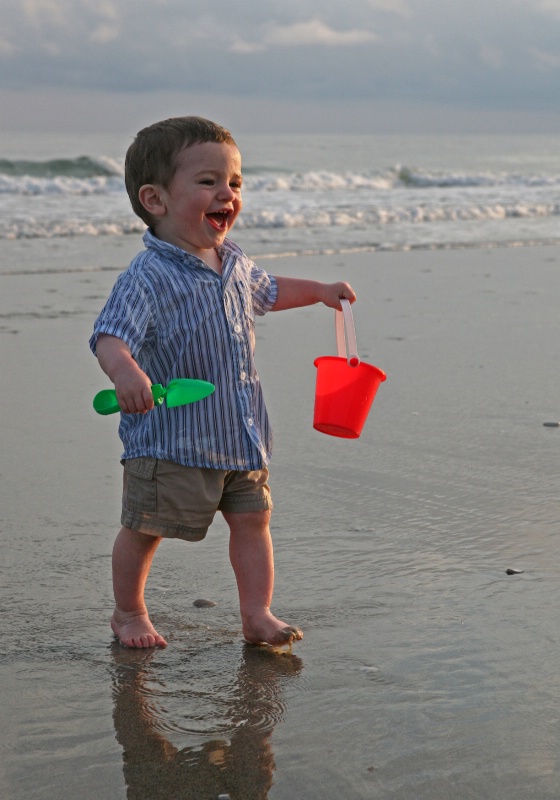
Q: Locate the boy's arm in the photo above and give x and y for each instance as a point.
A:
(297, 292)
(132, 385)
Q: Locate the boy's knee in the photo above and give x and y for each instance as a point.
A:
(245, 520)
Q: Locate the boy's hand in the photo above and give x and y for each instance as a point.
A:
(333, 293)
(132, 385)
(134, 392)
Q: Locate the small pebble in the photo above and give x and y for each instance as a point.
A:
(551, 424)
(514, 571)
(223, 797)
(202, 603)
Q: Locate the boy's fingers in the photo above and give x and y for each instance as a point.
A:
(148, 400)
(346, 293)
(137, 404)
(141, 403)
(123, 403)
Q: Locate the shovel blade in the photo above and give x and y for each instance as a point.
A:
(187, 390)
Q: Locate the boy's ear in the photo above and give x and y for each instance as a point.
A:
(151, 197)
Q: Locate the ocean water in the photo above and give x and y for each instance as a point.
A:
(308, 194)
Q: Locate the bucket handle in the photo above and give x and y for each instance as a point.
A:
(344, 324)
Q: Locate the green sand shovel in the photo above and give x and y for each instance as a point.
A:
(179, 392)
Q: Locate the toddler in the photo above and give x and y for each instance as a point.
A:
(185, 308)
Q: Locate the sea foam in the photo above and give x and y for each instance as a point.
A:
(401, 204)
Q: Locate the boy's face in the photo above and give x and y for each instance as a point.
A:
(203, 200)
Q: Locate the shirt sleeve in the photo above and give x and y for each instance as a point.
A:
(125, 315)
(264, 290)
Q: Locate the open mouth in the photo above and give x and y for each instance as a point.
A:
(219, 219)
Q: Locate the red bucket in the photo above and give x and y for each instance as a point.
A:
(345, 386)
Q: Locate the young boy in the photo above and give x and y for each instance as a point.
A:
(185, 309)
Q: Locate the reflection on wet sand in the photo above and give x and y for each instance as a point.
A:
(238, 763)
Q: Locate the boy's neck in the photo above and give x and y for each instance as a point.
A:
(213, 260)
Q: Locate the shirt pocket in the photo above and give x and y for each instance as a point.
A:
(140, 484)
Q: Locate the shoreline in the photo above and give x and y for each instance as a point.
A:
(49, 251)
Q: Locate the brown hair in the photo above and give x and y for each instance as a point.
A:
(152, 156)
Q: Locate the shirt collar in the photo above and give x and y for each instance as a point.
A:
(152, 242)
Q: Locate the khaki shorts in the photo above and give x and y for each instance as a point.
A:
(162, 498)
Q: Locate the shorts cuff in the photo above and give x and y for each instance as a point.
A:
(158, 527)
(241, 505)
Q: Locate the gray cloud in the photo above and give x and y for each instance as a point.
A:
(498, 55)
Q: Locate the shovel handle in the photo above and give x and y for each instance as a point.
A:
(105, 402)
(346, 334)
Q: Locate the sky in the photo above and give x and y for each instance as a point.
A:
(383, 66)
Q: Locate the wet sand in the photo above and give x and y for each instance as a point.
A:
(426, 671)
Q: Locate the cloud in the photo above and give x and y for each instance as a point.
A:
(545, 60)
(499, 54)
(59, 28)
(492, 56)
(42, 13)
(104, 33)
(8, 49)
(551, 7)
(243, 48)
(108, 28)
(314, 32)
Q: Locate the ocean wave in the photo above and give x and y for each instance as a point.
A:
(393, 178)
(53, 229)
(103, 175)
(31, 185)
(423, 179)
(317, 181)
(320, 218)
(80, 167)
(378, 217)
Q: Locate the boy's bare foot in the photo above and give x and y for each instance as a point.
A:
(264, 627)
(135, 629)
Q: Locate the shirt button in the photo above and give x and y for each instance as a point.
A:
(250, 421)
(242, 375)
(237, 328)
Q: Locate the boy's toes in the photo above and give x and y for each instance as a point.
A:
(143, 641)
(288, 635)
(136, 630)
(267, 629)
(294, 634)
(148, 640)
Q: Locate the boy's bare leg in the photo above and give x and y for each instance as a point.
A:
(251, 555)
(133, 553)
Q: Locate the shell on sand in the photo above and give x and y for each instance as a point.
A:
(202, 603)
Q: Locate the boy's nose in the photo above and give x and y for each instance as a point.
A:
(226, 192)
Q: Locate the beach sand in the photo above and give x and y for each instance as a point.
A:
(426, 671)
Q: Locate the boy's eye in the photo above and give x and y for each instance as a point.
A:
(235, 184)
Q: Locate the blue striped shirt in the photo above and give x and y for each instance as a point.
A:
(181, 319)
